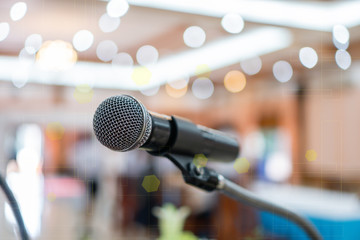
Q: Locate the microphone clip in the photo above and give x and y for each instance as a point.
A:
(201, 177)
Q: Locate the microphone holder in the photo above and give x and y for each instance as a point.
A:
(209, 180)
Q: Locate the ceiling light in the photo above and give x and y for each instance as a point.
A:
(147, 55)
(232, 23)
(194, 36)
(175, 93)
(282, 71)
(106, 50)
(202, 88)
(18, 11)
(56, 56)
(224, 52)
(122, 59)
(151, 91)
(251, 66)
(234, 81)
(320, 16)
(214, 55)
(117, 8)
(4, 30)
(83, 40)
(308, 57)
(33, 43)
(108, 24)
(343, 59)
(341, 33)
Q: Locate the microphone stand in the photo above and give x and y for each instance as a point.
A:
(15, 208)
(209, 180)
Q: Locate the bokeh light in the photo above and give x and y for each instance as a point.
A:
(343, 59)
(122, 59)
(56, 55)
(232, 23)
(28, 160)
(311, 155)
(20, 77)
(18, 11)
(308, 57)
(282, 71)
(194, 36)
(251, 66)
(147, 55)
(150, 183)
(108, 24)
(253, 145)
(180, 83)
(4, 30)
(83, 93)
(83, 40)
(200, 160)
(124, 63)
(80, 78)
(151, 91)
(106, 50)
(25, 56)
(141, 76)
(235, 81)
(202, 88)
(341, 34)
(33, 43)
(175, 93)
(117, 8)
(203, 70)
(51, 197)
(55, 131)
(341, 46)
(341, 37)
(241, 165)
(278, 167)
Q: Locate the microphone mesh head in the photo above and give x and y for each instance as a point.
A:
(122, 123)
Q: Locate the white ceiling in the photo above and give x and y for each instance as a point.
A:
(161, 28)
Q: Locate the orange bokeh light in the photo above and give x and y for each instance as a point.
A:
(235, 81)
(175, 93)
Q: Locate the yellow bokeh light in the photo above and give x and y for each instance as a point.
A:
(311, 155)
(203, 70)
(242, 165)
(235, 81)
(51, 197)
(83, 93)
(141, 76)
(150, 183)
(55, 131)
(175, 93)
(200, 160)
(56, 56)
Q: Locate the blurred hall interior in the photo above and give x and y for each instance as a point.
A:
(283, 77)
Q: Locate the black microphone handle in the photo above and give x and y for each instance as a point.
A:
(179, 136)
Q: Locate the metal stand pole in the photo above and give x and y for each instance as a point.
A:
(246, 197)
(15, 208)
(209, 180)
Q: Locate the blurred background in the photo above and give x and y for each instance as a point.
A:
(281, 76)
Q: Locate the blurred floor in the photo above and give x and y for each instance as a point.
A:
(66, 218)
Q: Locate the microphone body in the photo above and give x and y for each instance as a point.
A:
(180, 136)
(122, 123)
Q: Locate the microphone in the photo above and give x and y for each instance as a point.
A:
(122, 123)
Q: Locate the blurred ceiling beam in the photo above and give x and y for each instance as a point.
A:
(312, 15)
(215, 55)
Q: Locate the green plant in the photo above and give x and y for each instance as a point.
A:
(171, 222)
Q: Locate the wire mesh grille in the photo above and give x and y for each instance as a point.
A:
(122, 123)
